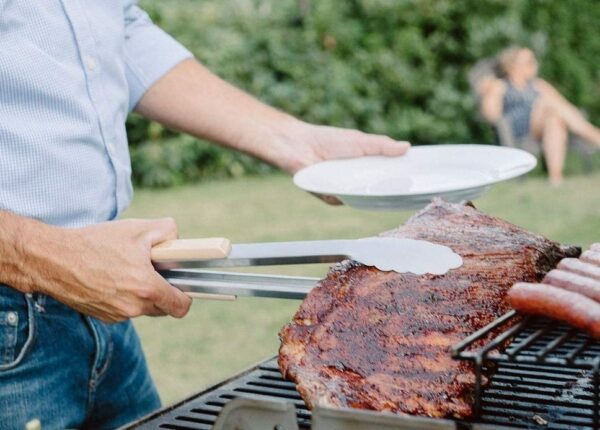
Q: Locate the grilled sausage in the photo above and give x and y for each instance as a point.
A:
(578, 284)
(592, 257)
(579, 267)
(572, 308)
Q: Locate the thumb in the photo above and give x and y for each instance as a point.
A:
(171, 300)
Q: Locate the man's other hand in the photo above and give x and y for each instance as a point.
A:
(105, 270)
(304, 144)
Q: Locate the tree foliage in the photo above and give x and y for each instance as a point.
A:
(397, 67)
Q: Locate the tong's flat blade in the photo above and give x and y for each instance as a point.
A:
(269, 254)
(240, 284)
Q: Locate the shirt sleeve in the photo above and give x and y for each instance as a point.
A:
(149, 52)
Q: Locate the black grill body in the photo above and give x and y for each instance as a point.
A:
(200, 411)
(546, 378)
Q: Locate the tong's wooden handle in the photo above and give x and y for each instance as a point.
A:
(209, 296)
(191, 249)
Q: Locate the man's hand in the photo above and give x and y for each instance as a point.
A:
(303, 144)
(104, 270)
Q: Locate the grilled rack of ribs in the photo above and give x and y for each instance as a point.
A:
(381, 340)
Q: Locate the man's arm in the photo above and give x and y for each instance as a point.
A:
(192, 99)
(14, 232)
(103, 270)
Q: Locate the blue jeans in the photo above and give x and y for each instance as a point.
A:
(66, 369)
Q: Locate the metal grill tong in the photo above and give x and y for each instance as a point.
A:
(183, 263)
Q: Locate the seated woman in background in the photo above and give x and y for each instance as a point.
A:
(534, 108)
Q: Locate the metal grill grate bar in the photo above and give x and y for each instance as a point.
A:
(549, 369)
(530, 423)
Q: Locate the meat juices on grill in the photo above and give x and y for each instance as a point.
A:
(381, 340)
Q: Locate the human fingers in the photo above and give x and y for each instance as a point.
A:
(330, 200)
(372, 144)
(155, 312)
(169, 299)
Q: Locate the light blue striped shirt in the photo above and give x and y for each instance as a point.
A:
(70, 71)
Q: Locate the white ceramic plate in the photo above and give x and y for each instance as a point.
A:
(452, 172)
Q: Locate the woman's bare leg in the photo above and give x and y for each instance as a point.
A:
(554, 143)
(573, 118)
(551, 129)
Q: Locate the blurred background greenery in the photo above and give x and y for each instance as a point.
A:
(397, 67)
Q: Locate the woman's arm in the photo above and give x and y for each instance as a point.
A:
(491, 91)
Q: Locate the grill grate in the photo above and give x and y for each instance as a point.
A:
(548, 373)
(201, 411)
(547, 378)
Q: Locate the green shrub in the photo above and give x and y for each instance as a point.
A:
(397, 67)
(181, 158)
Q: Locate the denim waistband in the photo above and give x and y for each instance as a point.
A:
(42, 302)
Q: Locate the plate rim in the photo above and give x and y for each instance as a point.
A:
(516, 173)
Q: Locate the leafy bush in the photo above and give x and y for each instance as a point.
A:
(161, 158)
(397, 67)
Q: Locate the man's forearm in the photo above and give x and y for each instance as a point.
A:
(192, 99)
(15, 232)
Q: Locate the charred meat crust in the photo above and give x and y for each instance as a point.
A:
(380, 340)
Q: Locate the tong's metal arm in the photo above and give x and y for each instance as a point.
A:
(239, 284)
(268, 254)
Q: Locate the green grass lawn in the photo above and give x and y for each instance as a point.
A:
(218, 338)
